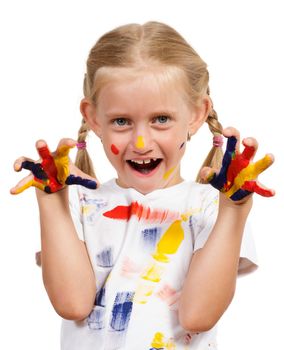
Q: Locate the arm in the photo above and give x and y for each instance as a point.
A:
(67, 272)
(210, 283)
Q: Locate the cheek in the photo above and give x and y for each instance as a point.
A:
(114, 149)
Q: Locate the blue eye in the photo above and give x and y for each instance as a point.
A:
(162, 119)
(120, 121)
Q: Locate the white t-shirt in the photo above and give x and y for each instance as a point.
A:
(140, 248)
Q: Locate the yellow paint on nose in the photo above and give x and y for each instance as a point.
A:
(139, 142)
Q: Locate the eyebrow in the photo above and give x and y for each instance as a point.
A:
(116, 114)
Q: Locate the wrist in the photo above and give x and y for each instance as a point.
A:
(239, 209)
(51, 198)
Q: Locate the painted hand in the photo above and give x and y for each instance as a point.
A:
(52, 173)
(238, 175)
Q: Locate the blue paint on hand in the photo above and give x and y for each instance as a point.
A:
(77, 180)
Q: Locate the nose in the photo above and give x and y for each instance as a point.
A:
(142, 141)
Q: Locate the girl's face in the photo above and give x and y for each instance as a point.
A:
(143, 125)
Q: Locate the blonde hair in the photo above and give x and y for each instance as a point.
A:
(153, 43)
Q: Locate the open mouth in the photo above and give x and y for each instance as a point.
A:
(144, 166)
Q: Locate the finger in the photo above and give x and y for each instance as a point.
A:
(249, 173)
(254, 186)
(233, 132)
(64, 147)
(18, 163)
(43, 149)
(261, 165)
(22, 185)
(220, 180)
(77, 180)
(250, 148)
(36, 169)
(207, 174)
(78, 172)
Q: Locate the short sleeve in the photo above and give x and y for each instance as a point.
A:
(207, 218)
(75, 210)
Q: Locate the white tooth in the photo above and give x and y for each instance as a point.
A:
(147, 161)
(154, 159)
(138, 161)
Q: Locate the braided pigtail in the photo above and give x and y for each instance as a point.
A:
(215, 156)
(83, 160)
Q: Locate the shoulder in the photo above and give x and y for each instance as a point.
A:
(200, 194)
(78, 193)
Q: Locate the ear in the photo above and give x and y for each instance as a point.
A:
(199, 116)
(88, 111)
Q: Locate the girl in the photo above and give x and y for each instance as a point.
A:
(147, 260)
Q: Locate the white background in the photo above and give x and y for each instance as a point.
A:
(44, 45)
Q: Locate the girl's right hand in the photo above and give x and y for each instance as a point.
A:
(53, 171)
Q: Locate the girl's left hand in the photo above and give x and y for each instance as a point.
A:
(238, 175)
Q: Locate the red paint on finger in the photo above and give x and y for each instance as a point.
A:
(252, 186)
(114, 149)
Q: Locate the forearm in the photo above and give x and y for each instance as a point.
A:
(210, 283)
(67, 272)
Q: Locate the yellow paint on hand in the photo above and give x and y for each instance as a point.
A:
(28, 185)
(249, 173)
(153, 273)
(61, 161)
(168, 173)
(169, 242)
(140, 142)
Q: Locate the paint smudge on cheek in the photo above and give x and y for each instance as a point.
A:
(168, 173)
(139, 142)
(114, 149)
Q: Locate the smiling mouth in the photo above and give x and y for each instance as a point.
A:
(144, 166)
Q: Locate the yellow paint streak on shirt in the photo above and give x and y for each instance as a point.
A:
(169, 242)
(142, 293)
(140, 142)
(249, 173)
(159, 343)
(188, 214)
(168, 173)
(85, 210)
(154, 273)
